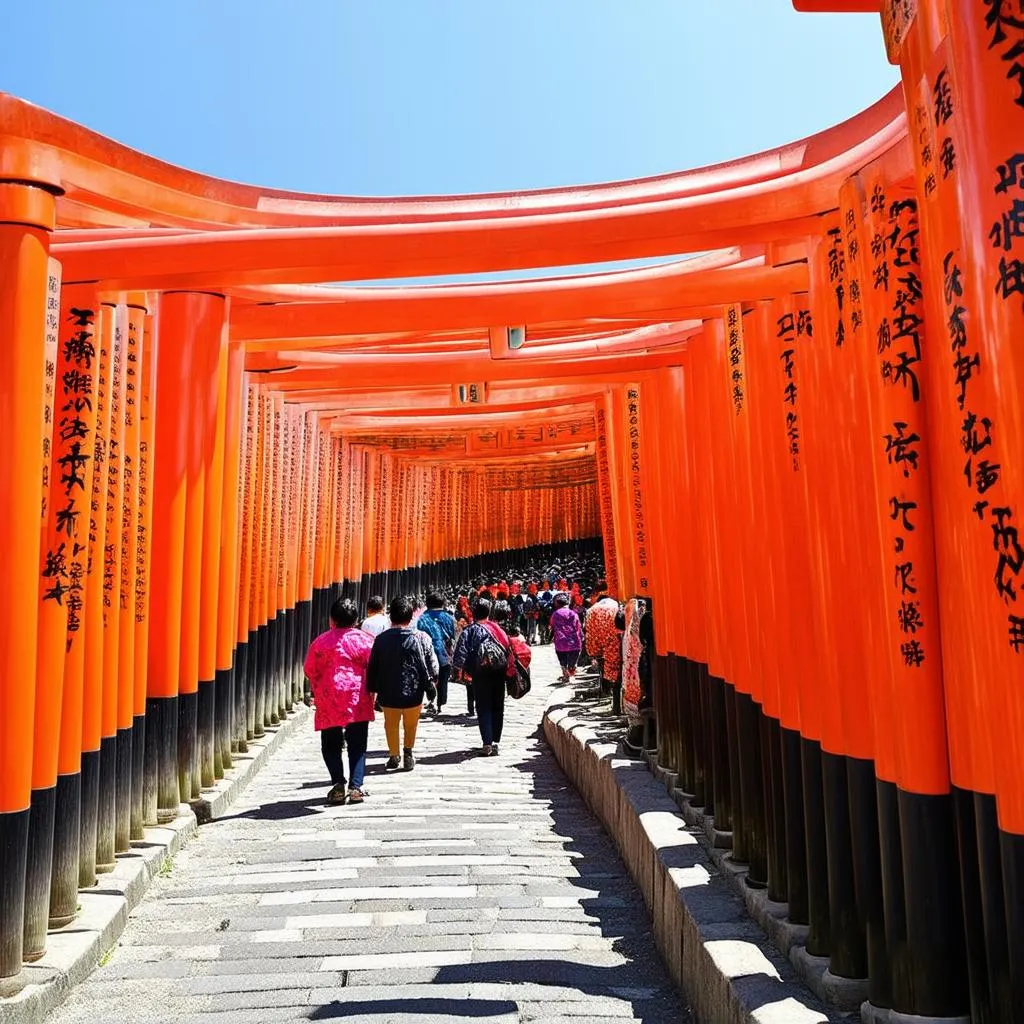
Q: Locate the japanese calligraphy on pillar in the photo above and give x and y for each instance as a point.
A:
(636, 481)
(734, 350)
(52, 325)
(897, 18)
(1002, 211)
(891, 225)
(607, 514)
(854, 298)
(65, 562)
(836, 255)
(792, 331)
(143, 517)
(1003, 217)
(130, 456)
(113, 489)
(1004, 22)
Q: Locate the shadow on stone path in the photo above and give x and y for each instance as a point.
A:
(470, 889)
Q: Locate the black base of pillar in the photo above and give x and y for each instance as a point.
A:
(795, 838)
(37, 872)
(775, 808)
(262, 664)
(162, 725)
(14, 828)
(848, 947)
(936, 946)
(1013, 880)
(206, 698)
(188, 711)
(136, 821)
(106, 815)
(223, 716)
(867, 870)
(239, 738)
(721, 796)
(123, 796)
(994, 909)
(732, 746)
(894, 897)
(90, 813)
(820, 928)
(752, 779)
(67, 820)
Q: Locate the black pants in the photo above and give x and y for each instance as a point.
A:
(490, 706)
(354, 737)
(444, 673)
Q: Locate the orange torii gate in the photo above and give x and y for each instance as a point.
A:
(802, 446)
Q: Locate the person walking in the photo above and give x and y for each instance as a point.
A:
(463, 619)
(439, 625)
(376, 621)
(604, 641)
(336, 668)
(485, 654)
(568, 636)
(531, 613)
(402, 669)
(520, 648)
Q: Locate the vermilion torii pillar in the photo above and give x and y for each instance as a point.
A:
(26, 219)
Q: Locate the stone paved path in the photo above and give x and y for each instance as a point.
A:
(470, 889)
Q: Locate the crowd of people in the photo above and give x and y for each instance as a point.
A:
(403, 659)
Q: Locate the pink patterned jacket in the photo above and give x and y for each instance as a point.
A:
(336, 669)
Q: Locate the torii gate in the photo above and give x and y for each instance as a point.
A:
(819, 495)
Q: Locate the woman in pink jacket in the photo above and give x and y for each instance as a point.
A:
(336, 669)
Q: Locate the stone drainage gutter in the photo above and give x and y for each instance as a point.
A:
(725, 964)
(72, 953)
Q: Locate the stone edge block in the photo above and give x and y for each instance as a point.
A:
(74, 952)
(727, 968)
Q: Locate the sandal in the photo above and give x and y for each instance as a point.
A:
(336, 795)
(356, 796)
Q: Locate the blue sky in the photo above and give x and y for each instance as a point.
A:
(425, 96)
(386, 97)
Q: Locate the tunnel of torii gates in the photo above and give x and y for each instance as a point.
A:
(803, 442)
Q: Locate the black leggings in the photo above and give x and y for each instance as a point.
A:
(489, 690)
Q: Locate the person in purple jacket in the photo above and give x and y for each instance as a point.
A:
(567, 634)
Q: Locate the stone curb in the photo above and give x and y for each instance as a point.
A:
(73, 952)
(728, 969)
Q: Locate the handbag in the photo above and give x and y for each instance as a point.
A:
(491, 654)
(518, 685)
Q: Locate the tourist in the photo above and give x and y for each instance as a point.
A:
(376, 621)
(485, 655)
(402, 669)
(531, 614)
(519, 646)
(568, 636)
(439, 625)
(336, 669)
(604, 640)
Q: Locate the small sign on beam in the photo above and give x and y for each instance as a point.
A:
(504, 340)
(469, 394)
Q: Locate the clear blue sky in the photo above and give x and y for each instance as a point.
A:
(427, 96)
(399, 97)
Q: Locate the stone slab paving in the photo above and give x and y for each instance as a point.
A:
(469, 889)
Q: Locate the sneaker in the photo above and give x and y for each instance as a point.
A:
(409, 761)
(495, 748)
(493, 752)
(430, 709)
(486, 750)
(393, 762)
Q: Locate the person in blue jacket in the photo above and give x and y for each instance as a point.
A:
(439, 625)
